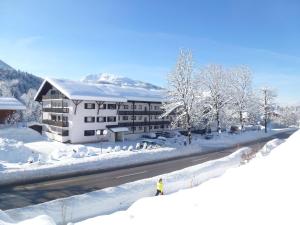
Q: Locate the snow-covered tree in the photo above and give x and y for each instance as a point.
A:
(33, 108)
(241, 93)
(181, 93)
(287, 116)
(214, 81)
(267, 104)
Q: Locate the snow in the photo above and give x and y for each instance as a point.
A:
(19, 146)
(103, 92)
(264, 191)
(227, 197)
(9, 103)
(39, 220)
(119, 129)
(121, 197)
(106, 78)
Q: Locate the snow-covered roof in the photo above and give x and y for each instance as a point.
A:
(119, 129)
(101, 92)
(9, 103)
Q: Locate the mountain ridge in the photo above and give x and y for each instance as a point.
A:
(107, 78)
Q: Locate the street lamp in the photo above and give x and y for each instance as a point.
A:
(99, 133)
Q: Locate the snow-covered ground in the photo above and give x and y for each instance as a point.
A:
(264, 191)
(24, 154)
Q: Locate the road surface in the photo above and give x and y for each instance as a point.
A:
(35, 193)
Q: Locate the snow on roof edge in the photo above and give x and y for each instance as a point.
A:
(11, 103)
(94, 98)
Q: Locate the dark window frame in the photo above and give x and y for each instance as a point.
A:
(93, 105)
(104, 119)
(88, 133)
(86, 119)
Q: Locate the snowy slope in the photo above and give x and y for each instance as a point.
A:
(266, 191)
(106, 78)
(4, 66)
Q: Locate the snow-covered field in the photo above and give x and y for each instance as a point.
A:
(264, 191)
(24, 154)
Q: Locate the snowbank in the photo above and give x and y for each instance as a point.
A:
(108, 200)
(39, 220)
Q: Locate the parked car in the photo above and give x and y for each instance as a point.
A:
(208, 136)
(149, 136)
(183, 132)
(165, 134)
(234, 129)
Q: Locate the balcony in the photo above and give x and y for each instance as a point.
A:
(56, 123)
(56, 110)
(148, 123)
(56, 96)
(131, 112)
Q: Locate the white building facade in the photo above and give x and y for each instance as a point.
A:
(78, 112)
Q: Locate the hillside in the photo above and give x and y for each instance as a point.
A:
(22, 86)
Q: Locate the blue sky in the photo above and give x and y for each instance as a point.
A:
(141, 39)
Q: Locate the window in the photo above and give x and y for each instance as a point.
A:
(101, 119)
(133, 117)
(150, 127)
(111, 106)
(89, 119)
(65, 104)
(125, 107)
(156, 117)
(102, 106)
(134, 128)
(162, 126)
(111, 119)
(53, 92)
(140, 107)
(125, 117)
(101, 132)
(156, 127)
(140, 117)
(140, 128)
(89, 133)
(133, 106)
(89, 105)
(156, 107)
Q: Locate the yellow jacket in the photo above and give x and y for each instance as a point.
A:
(160, 186)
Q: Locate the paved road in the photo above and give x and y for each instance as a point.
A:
(29, 194)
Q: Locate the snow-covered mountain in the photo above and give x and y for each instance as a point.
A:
(106, 78)
(4, 66)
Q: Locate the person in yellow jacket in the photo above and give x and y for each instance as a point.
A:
(159, 187)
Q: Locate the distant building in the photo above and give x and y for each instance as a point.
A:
(8, 106)
(76, 111)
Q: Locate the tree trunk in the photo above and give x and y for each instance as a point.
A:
(189, 128)
(266, 123)
(241, 121)
(190, 135)
(218, 123)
